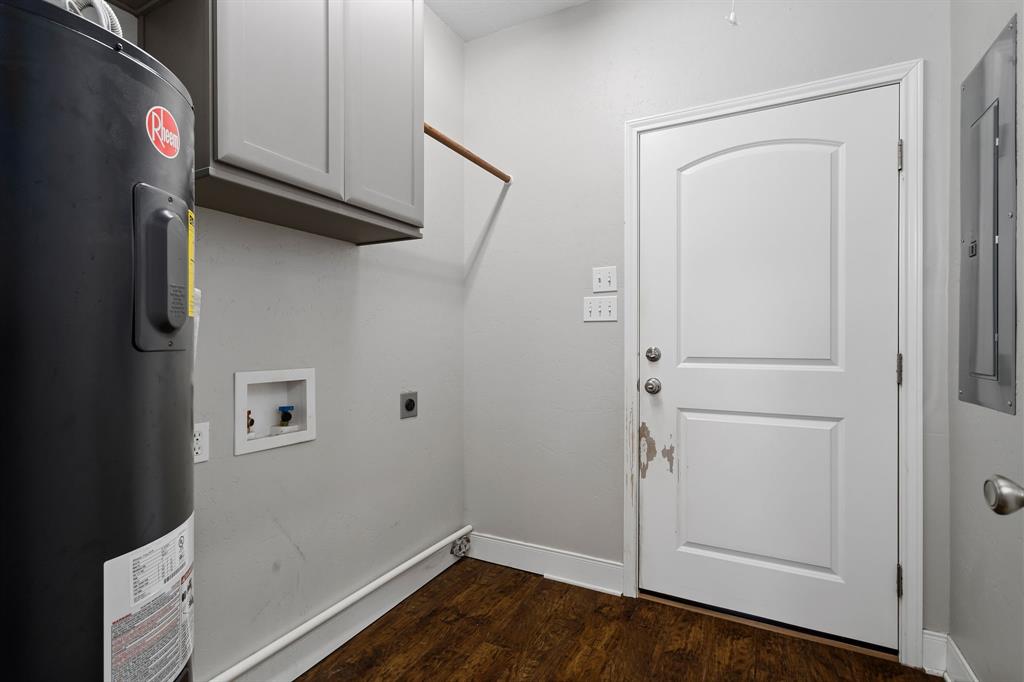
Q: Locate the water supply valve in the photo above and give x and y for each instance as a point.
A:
(286, 413)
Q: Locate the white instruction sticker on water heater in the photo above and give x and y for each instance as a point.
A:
(149, 609)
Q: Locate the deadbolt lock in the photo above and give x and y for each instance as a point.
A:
(653, 354)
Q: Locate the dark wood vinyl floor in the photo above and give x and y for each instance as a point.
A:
(480, 621)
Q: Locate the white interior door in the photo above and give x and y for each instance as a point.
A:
(769, 246)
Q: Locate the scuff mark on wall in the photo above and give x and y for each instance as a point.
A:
(288, 535)
(669, 453)
(261, 610)
(648, 449)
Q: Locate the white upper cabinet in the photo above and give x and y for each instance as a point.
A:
(279, 90)
(384, 106)
(326, 95)
(309, 113)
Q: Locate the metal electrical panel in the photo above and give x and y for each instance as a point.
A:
(988, 205)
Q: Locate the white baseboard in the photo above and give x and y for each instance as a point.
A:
(941, 656)
(933, 655)
(557, 564)
(957, 668)
(306, 652)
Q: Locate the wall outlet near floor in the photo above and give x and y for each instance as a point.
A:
(605, 279)
(200, 442)
(600, 308)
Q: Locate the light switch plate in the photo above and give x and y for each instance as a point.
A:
(600, 308)
(605, 279)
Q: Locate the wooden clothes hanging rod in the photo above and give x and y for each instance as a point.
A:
(462, 151)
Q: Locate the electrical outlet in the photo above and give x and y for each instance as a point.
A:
(200, 442)
(605, 279)
(600, 308)
(409, 405)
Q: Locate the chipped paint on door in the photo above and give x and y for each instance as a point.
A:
(648, 449)
(669, 453)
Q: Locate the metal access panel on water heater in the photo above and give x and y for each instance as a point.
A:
(988, 220)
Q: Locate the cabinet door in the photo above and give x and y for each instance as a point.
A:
(279, 90)
(384, 107)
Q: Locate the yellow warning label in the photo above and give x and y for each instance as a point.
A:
(191, 263)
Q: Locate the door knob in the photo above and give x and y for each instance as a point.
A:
(652, 386)
(1003, 495)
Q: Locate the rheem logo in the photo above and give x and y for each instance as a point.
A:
(163, 131)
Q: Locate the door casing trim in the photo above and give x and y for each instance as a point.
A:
(909, 76)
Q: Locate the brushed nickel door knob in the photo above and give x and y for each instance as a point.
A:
(1003, 495)
(652, 386)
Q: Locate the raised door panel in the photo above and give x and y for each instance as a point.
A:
(786, 468)
(777, 285)
(279, 90)
(384, 107)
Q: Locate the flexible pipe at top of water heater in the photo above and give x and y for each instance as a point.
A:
(107, 18)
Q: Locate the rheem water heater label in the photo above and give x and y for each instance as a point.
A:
(163, 131)
(148, 609)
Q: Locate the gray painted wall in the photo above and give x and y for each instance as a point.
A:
(987, 551)
(282, 534)
(547, 101)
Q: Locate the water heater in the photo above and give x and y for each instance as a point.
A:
(96, 208)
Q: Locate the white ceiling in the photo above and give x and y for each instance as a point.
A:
(475, 18)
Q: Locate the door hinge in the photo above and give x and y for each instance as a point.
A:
(899, 369)
(899, 155)
(899, 581)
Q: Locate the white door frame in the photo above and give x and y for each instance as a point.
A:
(909, 76)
